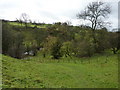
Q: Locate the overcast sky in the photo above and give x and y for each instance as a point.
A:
(50, 11)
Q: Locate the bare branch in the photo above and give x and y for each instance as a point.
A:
(94, 12)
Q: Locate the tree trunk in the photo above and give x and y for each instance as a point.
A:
(94, 40)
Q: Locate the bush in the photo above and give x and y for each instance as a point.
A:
(66, 49)
(55, 51)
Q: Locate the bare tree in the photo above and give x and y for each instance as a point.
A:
(25, 19)
(95, 12)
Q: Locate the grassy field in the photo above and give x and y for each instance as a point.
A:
(29, 25)
(99, 71)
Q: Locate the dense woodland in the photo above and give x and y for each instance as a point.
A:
(56, 40)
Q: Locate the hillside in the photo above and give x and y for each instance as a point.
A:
(60, 48)
(100, 71)
(58, 56)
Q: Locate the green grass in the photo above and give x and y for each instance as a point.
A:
(98, 71)
(30, 25)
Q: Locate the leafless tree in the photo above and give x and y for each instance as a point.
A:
(95, 12)
(25, 19)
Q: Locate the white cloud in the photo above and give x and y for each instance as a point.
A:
(50, 11)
